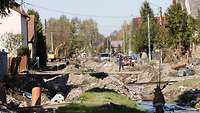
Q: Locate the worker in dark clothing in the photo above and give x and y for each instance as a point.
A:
(121, 66)
(159, 100)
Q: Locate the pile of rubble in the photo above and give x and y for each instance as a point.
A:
(65, 88)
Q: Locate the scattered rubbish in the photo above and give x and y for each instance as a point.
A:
(58, 98)
(99, 75)
(57, 85)
(27, 94)
(196, 61)
(185, 72)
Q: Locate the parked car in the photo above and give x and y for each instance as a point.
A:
(104, 57)
(128, 61)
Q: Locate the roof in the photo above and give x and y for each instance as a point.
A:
(117, 43)
(137, 21)
(16, 7)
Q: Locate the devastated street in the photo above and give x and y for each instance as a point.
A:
(56, 61)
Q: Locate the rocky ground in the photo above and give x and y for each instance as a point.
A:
(125, 82)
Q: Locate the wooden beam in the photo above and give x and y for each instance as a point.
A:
(152, 83)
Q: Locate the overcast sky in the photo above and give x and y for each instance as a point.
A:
(109, 14)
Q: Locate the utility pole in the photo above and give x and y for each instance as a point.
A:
(130, 39)
(110, 46)
(161, 23)
(52, 48)
(124, 33)
(149, 40)
(130, 51)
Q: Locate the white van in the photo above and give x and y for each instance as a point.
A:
(104, 57)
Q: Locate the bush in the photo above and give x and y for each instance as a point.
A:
(23, 50)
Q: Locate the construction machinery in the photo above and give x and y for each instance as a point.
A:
(57, 55)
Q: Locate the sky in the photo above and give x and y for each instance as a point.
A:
(109, 14)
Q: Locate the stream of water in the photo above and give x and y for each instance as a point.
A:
(169, 108)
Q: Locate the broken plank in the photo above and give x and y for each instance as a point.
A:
(152, 83)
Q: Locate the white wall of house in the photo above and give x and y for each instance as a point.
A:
(13, 23)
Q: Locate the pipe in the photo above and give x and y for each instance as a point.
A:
(36, 96)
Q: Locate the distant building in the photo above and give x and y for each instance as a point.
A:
(192, 6)
(16, 22)
(137, 21)
(116, 44)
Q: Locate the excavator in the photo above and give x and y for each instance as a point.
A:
(55, 55)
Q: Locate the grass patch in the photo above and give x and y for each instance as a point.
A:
(103, 101)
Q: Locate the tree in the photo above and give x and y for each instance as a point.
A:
(126, 31)
(41, 51)
(162, 39)
(90, 33)
(180, 28)
(80, 35)
(59, 29)
(11, 42)
(141, 39)
(196, 38)
(4, 6)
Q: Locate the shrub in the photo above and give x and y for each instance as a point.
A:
(23, 50)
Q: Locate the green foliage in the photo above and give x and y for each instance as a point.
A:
(144, 11)
(98, 102)
(23, 50)
(41, 49)
(78, 35)
(141, 38)
(4, 7)
(196, 38)
(38, 23)
(162, 40)
(180, 27)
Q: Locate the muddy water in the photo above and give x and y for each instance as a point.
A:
(169, 108)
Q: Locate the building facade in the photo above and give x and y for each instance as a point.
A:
(192, 6)
(32, 37)
(16, 23)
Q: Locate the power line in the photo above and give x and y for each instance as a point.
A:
(77, 14)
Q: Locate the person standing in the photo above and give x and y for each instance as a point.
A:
(121, 66)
